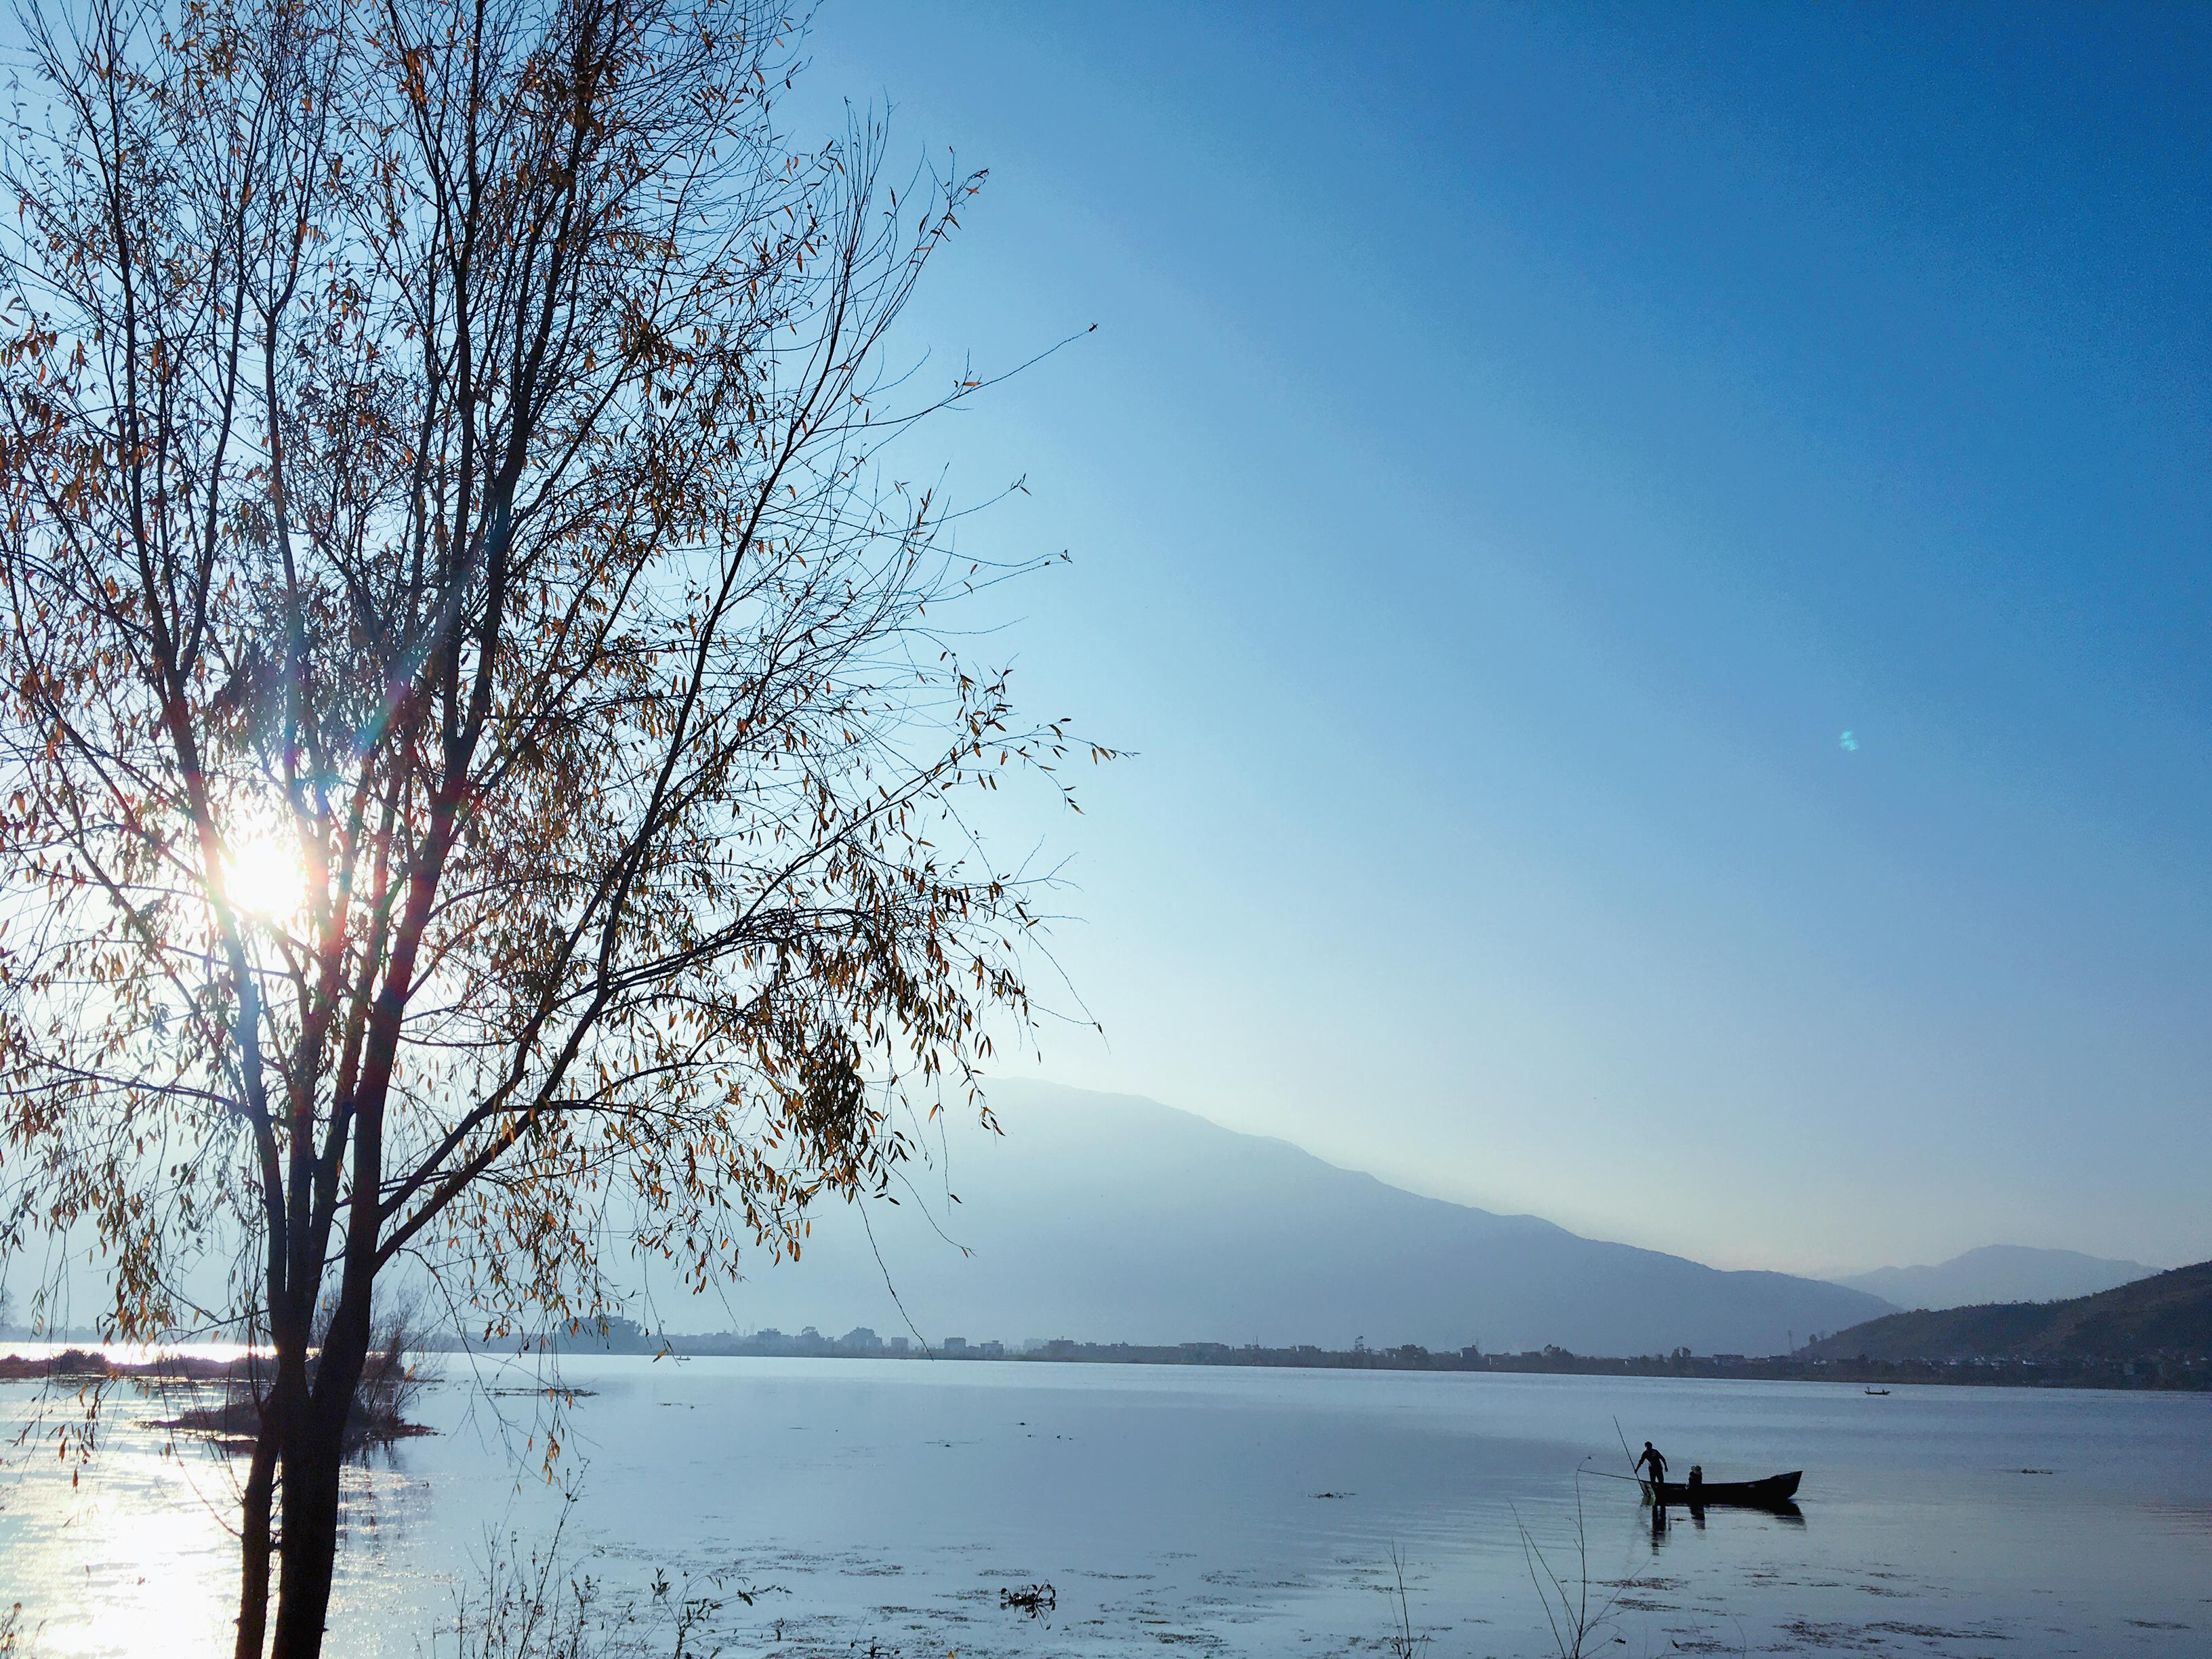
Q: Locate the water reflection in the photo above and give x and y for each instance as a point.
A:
(898, 1504)
(1664, 1515)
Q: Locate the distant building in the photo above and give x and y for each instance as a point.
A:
(954, 1345)
(896, 1345)
(993, 1350)
(861, 1339)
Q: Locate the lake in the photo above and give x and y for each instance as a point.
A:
(883, 1507)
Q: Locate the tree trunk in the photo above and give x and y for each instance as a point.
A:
(314, 1459)
(254, 1541)
(308, 1546)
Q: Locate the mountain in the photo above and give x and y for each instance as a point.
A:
(1998, 1273)
(2168, 1315)
(1111, 1218)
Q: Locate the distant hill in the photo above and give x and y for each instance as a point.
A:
(1998, 1273)
(2168, 1315)
(1110, 1219)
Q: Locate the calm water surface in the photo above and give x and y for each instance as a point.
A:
(883, 1506)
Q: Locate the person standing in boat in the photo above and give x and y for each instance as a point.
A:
(1655, 1460)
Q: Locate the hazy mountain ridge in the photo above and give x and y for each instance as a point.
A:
(1998, 1273)
(1113, 1218)
(2169, 1315)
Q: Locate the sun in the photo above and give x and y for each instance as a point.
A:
(265, 878)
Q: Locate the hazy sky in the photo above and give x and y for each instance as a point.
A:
(1655, 559)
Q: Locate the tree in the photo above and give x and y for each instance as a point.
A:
(480, 782)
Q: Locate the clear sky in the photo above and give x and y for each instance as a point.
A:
(1655, 561)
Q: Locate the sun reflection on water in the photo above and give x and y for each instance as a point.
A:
(136, 1561)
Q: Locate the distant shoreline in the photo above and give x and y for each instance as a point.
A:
(2181, 1375)
(2137, 1375)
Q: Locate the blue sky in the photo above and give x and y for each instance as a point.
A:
(1518, 445)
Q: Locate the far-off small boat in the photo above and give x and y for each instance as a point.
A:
(1878, 1392)
(1771, 1493)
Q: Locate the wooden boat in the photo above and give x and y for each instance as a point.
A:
(1878, 1392)
(1771, 1493)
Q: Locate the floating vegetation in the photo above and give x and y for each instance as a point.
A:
(1035, 1599)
